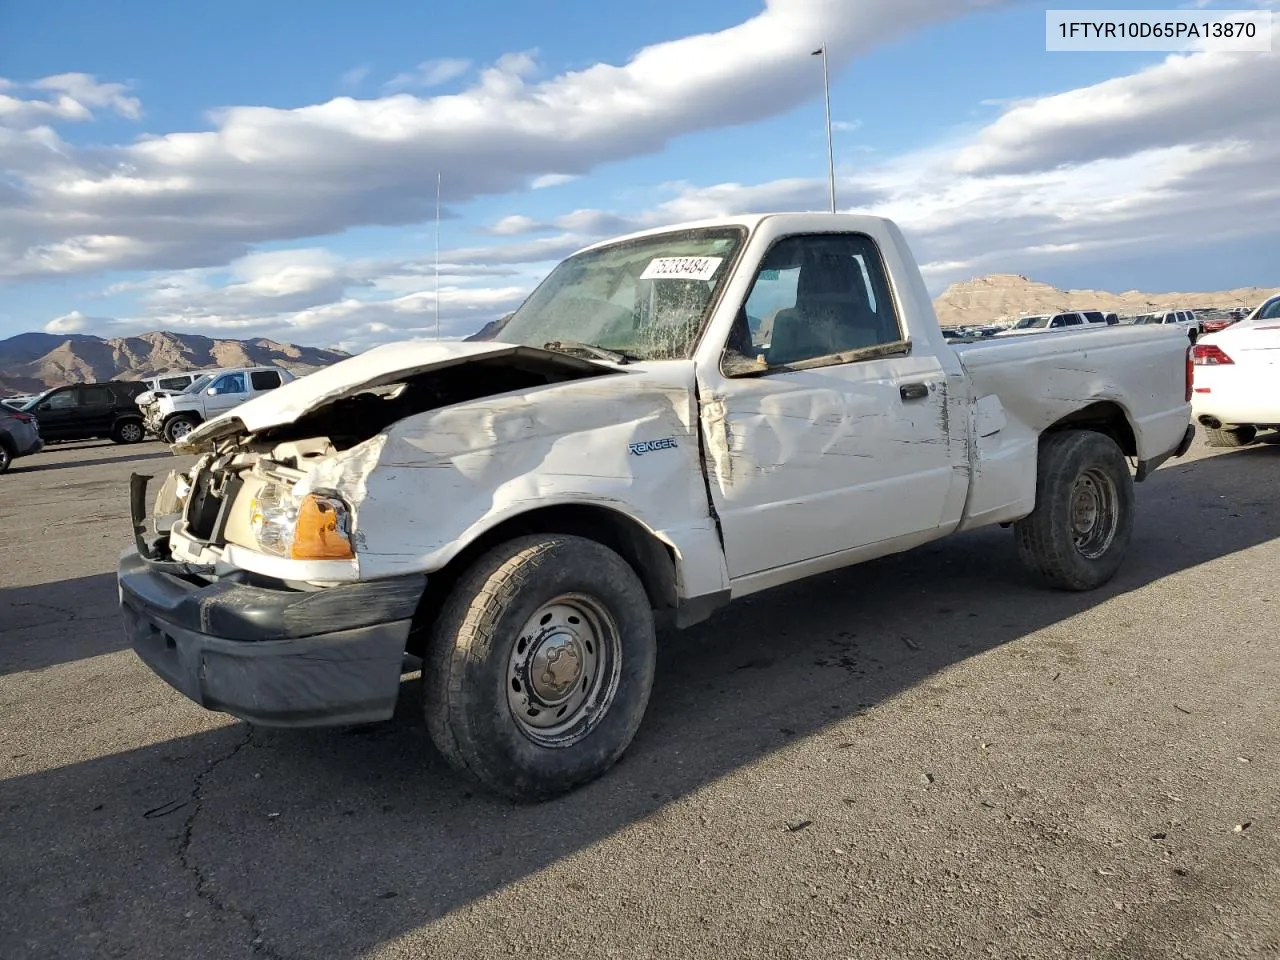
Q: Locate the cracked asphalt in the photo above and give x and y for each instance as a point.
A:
(925, 756)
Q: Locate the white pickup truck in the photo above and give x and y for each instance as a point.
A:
(171, 416)
(672, 420)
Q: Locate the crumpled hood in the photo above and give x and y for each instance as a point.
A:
(380, 366)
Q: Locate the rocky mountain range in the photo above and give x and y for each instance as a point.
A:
(1005, 296)
(31, 362)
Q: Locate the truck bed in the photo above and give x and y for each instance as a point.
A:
(1022, 385)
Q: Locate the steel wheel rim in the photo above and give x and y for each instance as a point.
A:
(180, 429)
(130, 432)
(563, 671)
(1094, 513)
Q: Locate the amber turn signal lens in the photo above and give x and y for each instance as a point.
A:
(320, 532)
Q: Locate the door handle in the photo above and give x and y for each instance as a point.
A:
(914, 391)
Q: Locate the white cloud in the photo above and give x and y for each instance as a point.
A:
(845, 126)
(429, 73)
(66, 98)
(263, 174)
(73, 322)
(515, 225)
(551, 180)
(1187, 98)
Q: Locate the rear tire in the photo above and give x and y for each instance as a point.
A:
(539, 666)
(1230, 436)
(128, 431)
(175, 428)
(1077, 535)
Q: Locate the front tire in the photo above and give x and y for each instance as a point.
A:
(539, 666)
(175, 428)
(1077, 535)
(128, 431)
(6, 457)
(1230, 436)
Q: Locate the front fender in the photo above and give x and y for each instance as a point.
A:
(436, 481)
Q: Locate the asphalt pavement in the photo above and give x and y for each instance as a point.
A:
(924, 756)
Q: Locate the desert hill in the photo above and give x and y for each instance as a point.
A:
(1006, 296)
(30, 362)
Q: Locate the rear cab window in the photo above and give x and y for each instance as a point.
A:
(264, 379)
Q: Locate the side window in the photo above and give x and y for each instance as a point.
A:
(1058, 321)
(264, 379)
(62, 400)
(96, 397)
(229, 383)
(175, 383)
(818, 295)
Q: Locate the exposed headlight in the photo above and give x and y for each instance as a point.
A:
(314, 527)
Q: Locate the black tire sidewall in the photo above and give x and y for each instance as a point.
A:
(6, 458)
(1067, 457)
(117, 432)
(485, 735)
(171, 422)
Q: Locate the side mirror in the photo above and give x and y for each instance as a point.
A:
(736, 364)
(45, 406)
(212, 391)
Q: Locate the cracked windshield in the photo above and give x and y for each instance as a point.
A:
(644, 299)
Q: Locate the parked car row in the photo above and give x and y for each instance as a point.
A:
(127, 411)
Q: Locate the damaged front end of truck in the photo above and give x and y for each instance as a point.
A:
(244, 588)
(278, 578)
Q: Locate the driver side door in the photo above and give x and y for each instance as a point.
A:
(841, 442)
(229, 390)
(57, 414)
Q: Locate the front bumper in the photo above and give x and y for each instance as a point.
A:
(271, 656)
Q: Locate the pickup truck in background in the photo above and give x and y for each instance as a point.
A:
(1052, 323)
(639, 448)
(173, 416)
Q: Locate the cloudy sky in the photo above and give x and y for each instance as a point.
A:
(247, 169)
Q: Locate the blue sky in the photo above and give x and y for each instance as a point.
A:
(246, 169)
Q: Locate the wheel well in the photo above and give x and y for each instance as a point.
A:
(1105, 417)
(189, 414)
(652, 560)
(7, 442)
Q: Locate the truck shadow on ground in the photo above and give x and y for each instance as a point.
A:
(34, 463)
(326, 843)
(52, 623)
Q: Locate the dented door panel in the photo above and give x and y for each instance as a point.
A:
(803, 464)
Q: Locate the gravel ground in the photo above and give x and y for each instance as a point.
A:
(924, 756)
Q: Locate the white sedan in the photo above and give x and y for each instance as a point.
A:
(1237, 378)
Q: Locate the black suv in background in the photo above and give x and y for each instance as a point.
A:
(87, 411)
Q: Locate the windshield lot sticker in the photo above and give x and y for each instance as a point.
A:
(682, 268)
(648, 446)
